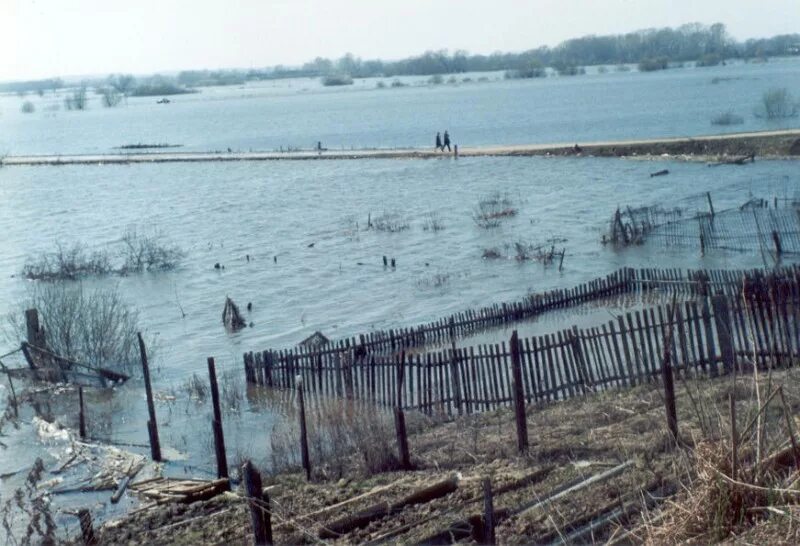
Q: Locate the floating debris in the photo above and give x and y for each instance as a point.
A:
(231, 317)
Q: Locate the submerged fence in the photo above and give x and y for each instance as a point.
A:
(758, 323)
(752, 227)
(621, 282)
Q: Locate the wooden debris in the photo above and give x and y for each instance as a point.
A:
(231, 317)
(164, 490)
(380, 510)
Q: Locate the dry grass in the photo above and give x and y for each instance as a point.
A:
(344, 437)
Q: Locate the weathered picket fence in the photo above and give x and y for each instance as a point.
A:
(757, 320)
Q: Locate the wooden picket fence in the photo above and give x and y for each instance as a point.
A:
(621, 282)
(757, 323)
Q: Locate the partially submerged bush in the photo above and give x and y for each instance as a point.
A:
(432, 222)
(436, 79)
(492, 208)
(388, 221)
(534, 69)
(28, 107)
(332, 80)
(77, 100)
(434, 280)
(67, 262)
(568, 69)
(148, 251)
(95, 327)
(110, 97)
(492, 253)
(777, 103)
(727, 118)
(138, 252)
(653, 64)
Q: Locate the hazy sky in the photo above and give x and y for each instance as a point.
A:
(41, 38)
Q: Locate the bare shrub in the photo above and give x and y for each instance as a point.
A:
(67, 262)
(492, 253)
(727, 118)
(493, 208)
(343, 436)
(77, 100)
(138, 252)
(148, 251)
(389, 221)
(432, 222)
(435, 280)
(110, 97)
(777, 103)
(231, 390)
(196, 388)
(96, 327)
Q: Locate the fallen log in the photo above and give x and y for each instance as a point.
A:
(331, 508)
(468, 526)
(549, 499)
(618, 511)
(472, 526)
(662, 172)
(380, 510)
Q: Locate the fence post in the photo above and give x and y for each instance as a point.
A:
(34, 330)
(667, 376)
(303, 430)
(81, 418)
(519, 395)
(402, 438)
(710, 203)
(152, 424)
(216, 423)
(87, 530)
(455, 380)
(260, 516)
(488, 514)
(777, 240)
(723, 323)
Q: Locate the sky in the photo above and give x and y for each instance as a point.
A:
(44, 38)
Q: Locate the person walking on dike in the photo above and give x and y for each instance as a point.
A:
(446, 141)
(439, 142)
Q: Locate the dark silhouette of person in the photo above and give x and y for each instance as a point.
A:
(439, 142)
(446, 141)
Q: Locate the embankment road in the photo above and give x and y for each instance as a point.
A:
(767, 144)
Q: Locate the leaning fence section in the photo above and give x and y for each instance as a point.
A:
(758, 324)
(621, 282)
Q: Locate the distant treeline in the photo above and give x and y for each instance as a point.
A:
(32, 86)
(651, 49)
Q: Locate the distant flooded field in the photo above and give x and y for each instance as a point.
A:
(485, 110)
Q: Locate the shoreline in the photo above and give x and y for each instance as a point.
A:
(784, 144)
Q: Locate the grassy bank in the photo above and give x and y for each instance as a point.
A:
(570, 442)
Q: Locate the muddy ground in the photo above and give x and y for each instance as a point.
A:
(569, 442)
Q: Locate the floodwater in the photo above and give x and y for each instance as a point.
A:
(313, 264)
(299, 113)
